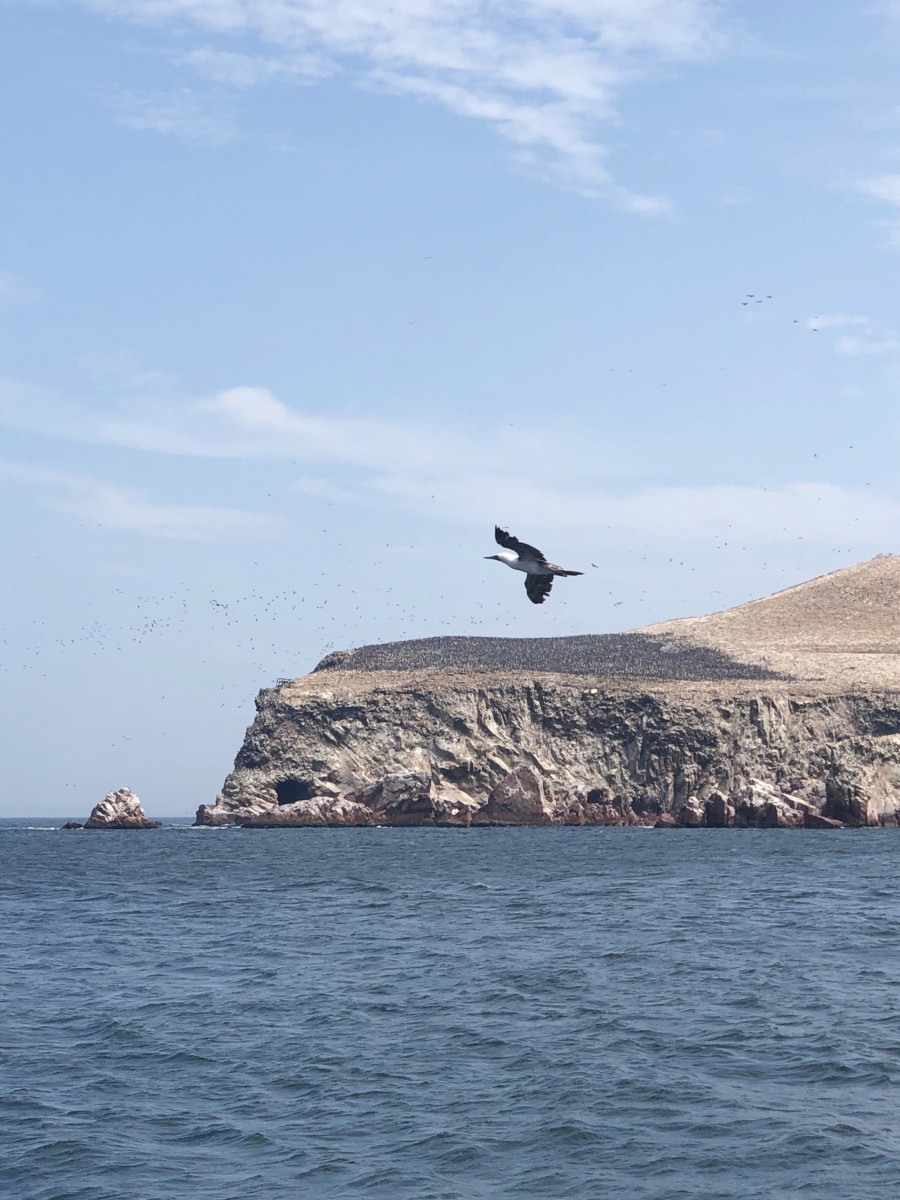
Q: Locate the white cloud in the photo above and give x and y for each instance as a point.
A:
(249, 70)
(883, 187)
(250, 423)
(544, 73)
(856, 345)
(180, 113)
(872, 337)
(887, 189)
(122, 371)
(448, 474)
(835, 321)
(687, 516)
(114, 507)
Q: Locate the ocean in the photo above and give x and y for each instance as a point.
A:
(426, 1014)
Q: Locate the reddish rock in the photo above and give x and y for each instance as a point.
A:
(518, 799)
(719, 812)
(601, 807)
(814, 820)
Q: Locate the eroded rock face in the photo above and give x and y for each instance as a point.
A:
(692, 815)
(459, 749)
(321, 810)
(120, 810)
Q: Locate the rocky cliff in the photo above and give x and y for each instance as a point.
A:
(782, 712)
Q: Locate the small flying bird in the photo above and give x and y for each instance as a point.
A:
(521, 557)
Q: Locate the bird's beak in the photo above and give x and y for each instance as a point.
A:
(490, 556)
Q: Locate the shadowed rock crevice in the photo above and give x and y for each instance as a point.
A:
(290, 791)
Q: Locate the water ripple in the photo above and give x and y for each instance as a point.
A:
(449, 1015)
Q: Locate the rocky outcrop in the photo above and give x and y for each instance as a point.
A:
(459, 750)
(120, 810)
(72, 825)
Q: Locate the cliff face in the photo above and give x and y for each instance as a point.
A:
(458, 750)
(783, 712)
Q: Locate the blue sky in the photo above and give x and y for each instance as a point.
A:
(298, 299)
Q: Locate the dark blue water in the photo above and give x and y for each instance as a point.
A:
(413, 1014)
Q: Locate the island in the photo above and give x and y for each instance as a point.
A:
(780, 713)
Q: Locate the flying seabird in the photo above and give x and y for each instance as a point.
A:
(522, 557)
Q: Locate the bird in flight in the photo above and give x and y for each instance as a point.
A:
(521, 557)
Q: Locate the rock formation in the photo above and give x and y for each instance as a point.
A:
(781, 713)
(120, 810)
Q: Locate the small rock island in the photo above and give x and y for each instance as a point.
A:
(119, 810)
(780, 713)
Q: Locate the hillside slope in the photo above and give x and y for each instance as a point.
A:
(841, 629)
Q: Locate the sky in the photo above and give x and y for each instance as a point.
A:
(298, 298)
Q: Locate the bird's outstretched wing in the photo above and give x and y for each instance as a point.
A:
(538, 587)
(508, 542)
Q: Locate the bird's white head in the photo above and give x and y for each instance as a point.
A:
(505, 556)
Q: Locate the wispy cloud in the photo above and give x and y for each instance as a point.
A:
(546, 74)
(883, 187)
(252, 424)
(250, 70)
(887, 189)
(688, 516)
(126, 509)
(181, 113)
(15, 291)
(835, 321)
(859, 345)
(446, 473)
(870, 337)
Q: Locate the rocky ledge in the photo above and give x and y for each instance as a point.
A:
(119, 810)
(784, 712)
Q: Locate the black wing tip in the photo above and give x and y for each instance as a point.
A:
(537, 587)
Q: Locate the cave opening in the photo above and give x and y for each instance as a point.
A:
(289, 791)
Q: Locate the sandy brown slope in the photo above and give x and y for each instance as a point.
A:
(842, 628)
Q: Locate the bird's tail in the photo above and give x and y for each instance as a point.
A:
(563, 571)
